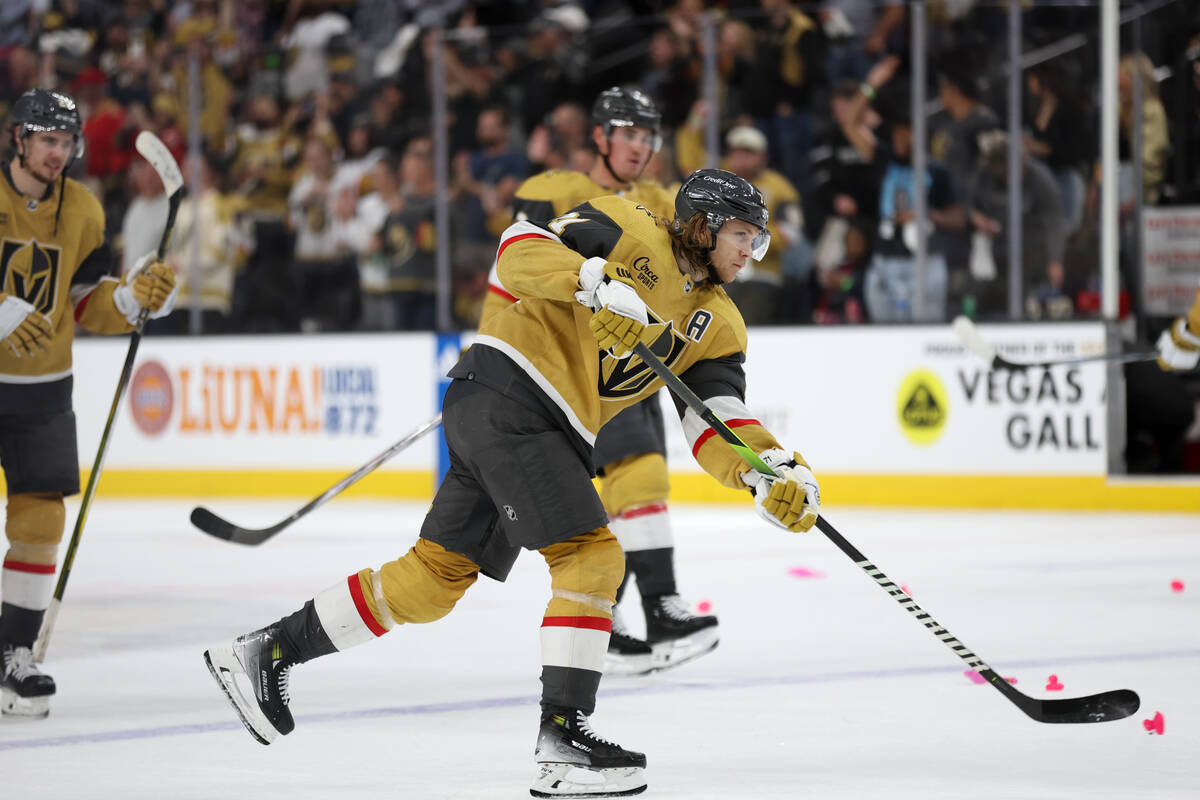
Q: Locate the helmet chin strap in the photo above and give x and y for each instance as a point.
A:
(608, 166)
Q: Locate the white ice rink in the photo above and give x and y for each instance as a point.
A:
(823, 687)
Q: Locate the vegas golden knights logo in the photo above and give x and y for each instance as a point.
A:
(30, 272)
(626, 377)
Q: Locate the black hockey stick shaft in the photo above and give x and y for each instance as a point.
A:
(89, 492)
(1105, 706)
(213, 525)
(975, 342)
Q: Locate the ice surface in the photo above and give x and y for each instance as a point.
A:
(823, 687)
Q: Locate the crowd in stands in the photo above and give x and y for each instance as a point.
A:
(312, 204)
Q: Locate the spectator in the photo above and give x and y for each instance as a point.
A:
(1156, 141)
(956, 130)
(668, 78)
(490, 175)
(1054, 136)
(777, 85)
(1043, 235)
(858, 32)
(552, 142)
(325, 269)
(406, 276)
(840, 288)
(206, 268)
(146, 215)
(845, 182)
(891, 280)
(757, 288)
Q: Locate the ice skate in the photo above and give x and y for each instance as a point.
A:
(26, 689)
(676, 635)
(574, 762)
(627, 655)
(260, 659)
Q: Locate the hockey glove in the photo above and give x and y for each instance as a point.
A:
(1178, 346)
(790, 501)
(620, 317)
(22, 328)
(149, 284)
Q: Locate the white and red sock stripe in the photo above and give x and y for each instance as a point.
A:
(27, 585)
(345, 615)
(575, 642)
(644, 528)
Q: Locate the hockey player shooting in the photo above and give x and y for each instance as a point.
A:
(521, 418)
(55, 265)
(630, 452)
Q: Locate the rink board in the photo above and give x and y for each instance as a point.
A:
(899, 415)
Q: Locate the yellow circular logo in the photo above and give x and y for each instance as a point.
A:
(923, 407)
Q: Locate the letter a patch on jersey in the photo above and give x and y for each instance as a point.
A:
(30, 272)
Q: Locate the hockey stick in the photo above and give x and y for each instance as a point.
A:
(1102, 707)
(213, 525)
(154, 151)
(975, 342)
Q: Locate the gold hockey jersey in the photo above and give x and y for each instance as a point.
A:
(64, 276)
(546, 195)
(700, 334)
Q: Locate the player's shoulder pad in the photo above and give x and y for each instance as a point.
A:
(730, 325)
(558, 184)
(80, 205)
(656, 197)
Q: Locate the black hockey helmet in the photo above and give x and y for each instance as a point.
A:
(720, 196)
(619, 107)
(44, 110)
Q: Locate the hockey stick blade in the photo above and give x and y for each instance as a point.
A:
(970, 336)
(1102, 707)
(154, 151)
(221, 528)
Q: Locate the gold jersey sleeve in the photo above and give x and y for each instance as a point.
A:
(699, 333)
(553, 193)
(61, 269)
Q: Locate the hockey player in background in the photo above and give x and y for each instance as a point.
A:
(521, 418)
(56, 269)
(630, 453)
(1179, 345)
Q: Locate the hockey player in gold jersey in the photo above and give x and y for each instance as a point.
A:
(630, 453)
(54, 265)
(521, 415)
(1179, 344)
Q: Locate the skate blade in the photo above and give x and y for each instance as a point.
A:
(224, 666)
(13, 705)
(622, 665)
(675, 653)
(571, 780)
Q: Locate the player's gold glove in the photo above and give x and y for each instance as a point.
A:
(149, 285)
(24, 329)
(792, 500)
(1179, 345)
(620, 317)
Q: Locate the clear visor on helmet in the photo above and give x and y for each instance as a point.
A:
(756, 241)
(638, 134)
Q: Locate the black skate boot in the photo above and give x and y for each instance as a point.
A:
(26, 689)
(263, 660)
(574, 762)
(627, 655)
(675, 633)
